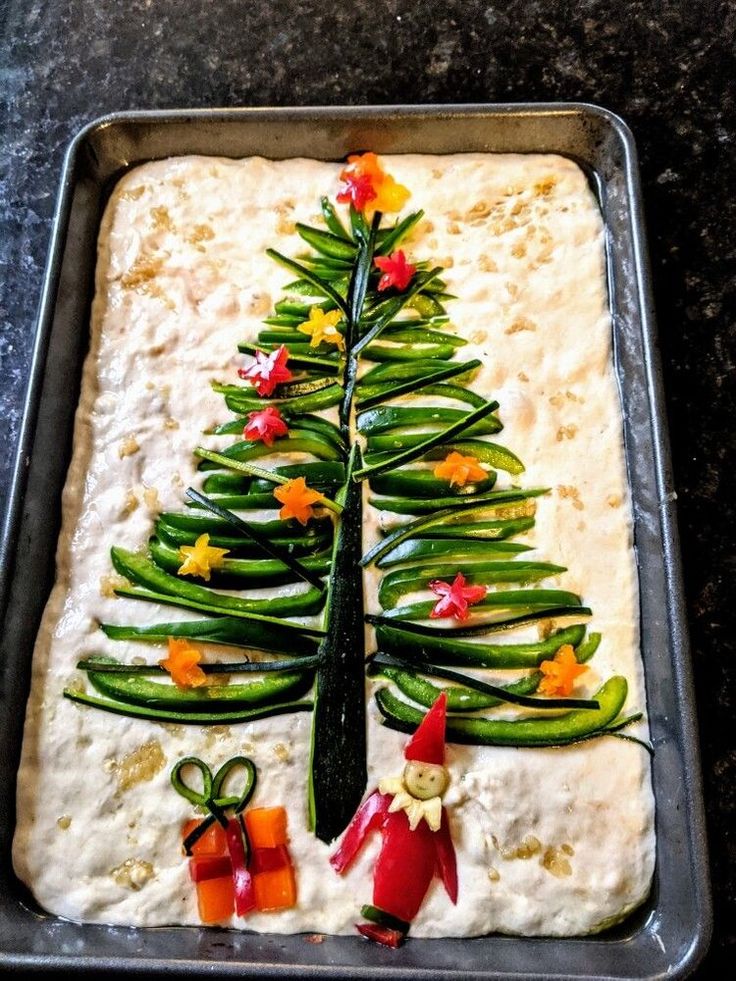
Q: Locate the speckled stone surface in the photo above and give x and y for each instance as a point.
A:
(666, 67)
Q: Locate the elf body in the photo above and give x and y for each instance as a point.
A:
(417, 844)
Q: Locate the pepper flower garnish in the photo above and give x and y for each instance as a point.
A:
(364, 182)
(560, 673)
(356, 189)
(265, 426)
(397, 272)
(297, 499)
(390, 196)
(322, 327)
(455, 597)
(460, 470)
(199, 559)
(268, 370)
(183, 664)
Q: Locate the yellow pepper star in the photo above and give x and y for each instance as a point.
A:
(297, 500)
(322, 327)
(460, 470)
(200, 558)
(390, 195)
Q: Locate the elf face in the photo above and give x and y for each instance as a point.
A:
(425, 780)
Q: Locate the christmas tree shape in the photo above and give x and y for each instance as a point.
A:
(362, 331)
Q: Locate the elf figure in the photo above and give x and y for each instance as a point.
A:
(416, 836)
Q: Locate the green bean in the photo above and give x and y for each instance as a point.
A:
(396, 584)
(538, 731)
(439, 648)
(186, 718)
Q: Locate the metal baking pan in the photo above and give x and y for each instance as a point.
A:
(670, 933)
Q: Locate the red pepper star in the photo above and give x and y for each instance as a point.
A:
(265, 426)
(397, 272)
(356, 189)
(455, 598)
(268, 370)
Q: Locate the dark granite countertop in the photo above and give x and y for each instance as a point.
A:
(667, 68)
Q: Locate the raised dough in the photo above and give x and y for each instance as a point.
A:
(182, 277)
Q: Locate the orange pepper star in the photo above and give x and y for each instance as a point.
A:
(367, 165)
(183, 664)
(460, 470)
(200, 558)
(297, 500)
(560, 673)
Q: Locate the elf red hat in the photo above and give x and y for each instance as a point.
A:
(427, 745)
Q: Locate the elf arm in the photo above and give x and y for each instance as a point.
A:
(369, 815)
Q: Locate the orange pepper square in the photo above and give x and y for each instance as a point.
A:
(216, 899)
(212, 842)
(266, 826)
(275, 890)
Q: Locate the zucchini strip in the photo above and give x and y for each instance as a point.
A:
(356, 299)
(338, 770)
